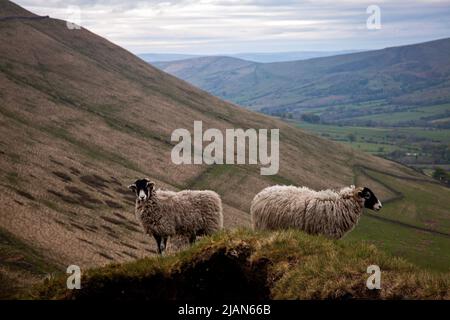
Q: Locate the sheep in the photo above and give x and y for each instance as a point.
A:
(164, 213)
(329, 213)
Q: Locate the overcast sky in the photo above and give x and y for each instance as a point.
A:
(232, 26)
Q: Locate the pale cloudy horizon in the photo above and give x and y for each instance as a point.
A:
(231, 26)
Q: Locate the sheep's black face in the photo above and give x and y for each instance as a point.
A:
(370, 200)
(142, 188)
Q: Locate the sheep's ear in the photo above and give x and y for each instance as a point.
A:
(367, 193)
(150, 185)
(364, 193)
(132, 187)
(360, 192)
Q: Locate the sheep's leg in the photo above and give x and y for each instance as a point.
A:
(158, 243)
(164, 243)
(192, 238)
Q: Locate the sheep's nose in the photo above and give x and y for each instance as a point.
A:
(378, 206)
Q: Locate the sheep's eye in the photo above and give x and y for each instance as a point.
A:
(367, 196)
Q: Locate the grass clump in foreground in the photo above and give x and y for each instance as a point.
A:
(243, 264)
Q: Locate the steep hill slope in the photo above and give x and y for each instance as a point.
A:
(413, 74)
(81, 118)
(213, 74)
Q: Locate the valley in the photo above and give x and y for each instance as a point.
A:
(392, 103)
(424, 148)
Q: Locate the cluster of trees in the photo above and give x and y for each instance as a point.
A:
(441, 175)
(428, 154)
(310, 118)
(441, 152)
(278, 113)
(307, 117)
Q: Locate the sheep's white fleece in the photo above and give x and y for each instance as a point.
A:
(327, 212)
(188, 212)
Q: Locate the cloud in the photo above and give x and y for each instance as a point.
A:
(229, 26)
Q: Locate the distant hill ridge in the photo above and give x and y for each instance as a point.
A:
(263, 57)
(417, 74)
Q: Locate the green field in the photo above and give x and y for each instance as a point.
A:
(415, 227)
(378, 134)
(385, 141)
(387, 117)
(426, 250)
(379, 111)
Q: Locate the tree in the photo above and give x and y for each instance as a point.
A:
(440, 174)
(351, 137)
(310, 117)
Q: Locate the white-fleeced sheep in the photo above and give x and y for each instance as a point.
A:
(330, 213)
(189, 213)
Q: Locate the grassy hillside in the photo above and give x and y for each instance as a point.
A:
(247, 265)
(81, 118)
(21, 266)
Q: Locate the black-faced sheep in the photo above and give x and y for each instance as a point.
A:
(330, 213)
(165, 213)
